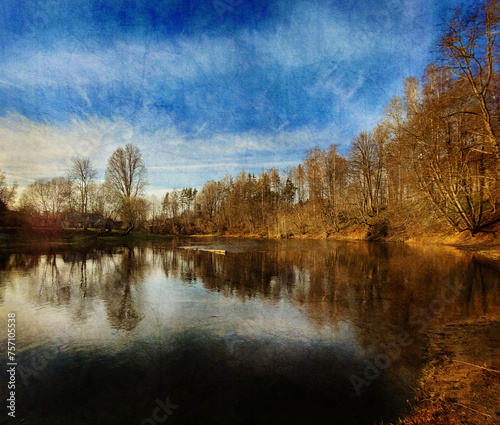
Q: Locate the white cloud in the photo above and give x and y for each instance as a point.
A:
(312, 34)
(33, 150)
(140, 63)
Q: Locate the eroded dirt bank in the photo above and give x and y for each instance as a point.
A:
(461, 382)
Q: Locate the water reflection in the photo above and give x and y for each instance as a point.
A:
(376, 286)
(78, 280)
(277, 324)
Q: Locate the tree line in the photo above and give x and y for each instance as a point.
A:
(78, 200)
(432, 160)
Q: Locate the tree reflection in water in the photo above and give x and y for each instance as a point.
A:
(76, 280)
(362, 294)
(369, 285)
(360, 282)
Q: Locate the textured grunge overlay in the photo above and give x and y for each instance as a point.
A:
(203, 89)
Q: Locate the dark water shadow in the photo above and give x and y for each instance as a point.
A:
(214, 380)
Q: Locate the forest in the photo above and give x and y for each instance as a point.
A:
(431, 163)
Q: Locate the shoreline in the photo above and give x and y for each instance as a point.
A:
(460, 381)
(487, 245)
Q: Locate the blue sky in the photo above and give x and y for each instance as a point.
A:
(203, 88)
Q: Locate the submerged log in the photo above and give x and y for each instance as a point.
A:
(215, 251)
(218, 251)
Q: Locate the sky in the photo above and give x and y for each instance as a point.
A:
(202, 88)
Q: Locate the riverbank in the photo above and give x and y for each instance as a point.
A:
(15, 239)
(483, 244)
(436, 235)
(461, 381)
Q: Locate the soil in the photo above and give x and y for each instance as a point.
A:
(461, 382)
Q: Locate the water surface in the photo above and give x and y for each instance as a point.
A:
(278, 332)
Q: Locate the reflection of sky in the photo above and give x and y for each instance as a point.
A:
(201, 91)
(166, 305)
(189, 306)
(39, 324)
(325, 305)
(345, 294)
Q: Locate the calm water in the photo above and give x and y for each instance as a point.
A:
(274, 332)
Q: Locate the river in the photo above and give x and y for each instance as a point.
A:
(273, 332)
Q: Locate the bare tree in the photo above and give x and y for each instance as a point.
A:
(126, 176)
(49, 198)
(154, 210)
(471, 53)
(7, 194)
(396, 161)
(82, 172)
(102, 201)
(126, 173)
(313, 166)
(208, 200)
(454, 174)
(367, 166)
(134, 211)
